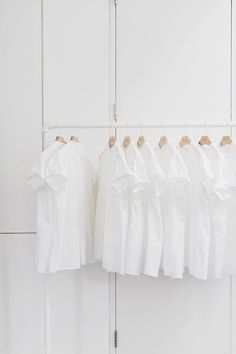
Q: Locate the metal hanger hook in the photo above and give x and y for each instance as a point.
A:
(141, 128)
(73, 129)
(186, 128)
(228, 130)
(163, 129)
(127, 128)
(205, 125)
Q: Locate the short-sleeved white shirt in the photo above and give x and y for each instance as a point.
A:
(221, 193)
(45, 206)
(173, 209)
(153, 232)
(112, 210)
(71, 174)
(197, 230)
(136, 233)
(229, 151)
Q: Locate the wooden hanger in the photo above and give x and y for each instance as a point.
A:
(126, 141)
(74, 138)
(163, 141)
(185, 140)
(141, 141)
(226, 140)
(205, 140)
(111, 141)
(60, 139)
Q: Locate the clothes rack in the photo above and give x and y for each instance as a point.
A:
(48, 128)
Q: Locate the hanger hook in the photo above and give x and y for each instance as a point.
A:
(163, 128)
(127, 128)
(205, 124)
(73, 128)
(57, 129)
(186, 129)
(141, 128)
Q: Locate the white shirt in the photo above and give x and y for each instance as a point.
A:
(221, 192)
(45, 206)
(197, 231)
(229, 151)
(112, 210)
(173, 209)
(71, 174)
(151, 212)
(136, 232)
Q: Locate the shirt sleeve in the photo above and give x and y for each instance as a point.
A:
(35, 177)
(56, 175)
(178, 176)
(123, 177)
(224, 179)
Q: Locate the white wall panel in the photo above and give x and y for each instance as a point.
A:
(77, 83)
(173, 60)
(80, 311)
(76, 61)
(173, 65)
(23, 296)
(172, 316)
(20, 110)
(78, 318)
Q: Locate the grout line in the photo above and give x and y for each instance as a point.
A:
(18, 233)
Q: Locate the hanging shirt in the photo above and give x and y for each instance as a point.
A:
(153, 233)
(221, 192)
(197, 230)
(45, 207)
(71, 175)
(229, 152)
(136, 232)
(112, 210)
(173, 209)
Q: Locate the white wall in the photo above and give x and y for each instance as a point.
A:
(173, 63)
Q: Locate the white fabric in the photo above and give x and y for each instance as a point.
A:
(229, 151)
(220, 194)
(136, 233)
(151, 212)
(71, 175)
(197, 231)
(173, 209)
(45, 206)
(111, 225)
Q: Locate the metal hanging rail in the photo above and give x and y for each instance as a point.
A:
(146, 125)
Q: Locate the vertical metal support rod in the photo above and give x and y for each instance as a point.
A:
(47, 314)
(115, 121)
(231, 134)
(42, 68)
(44, 142)
(115, 64)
